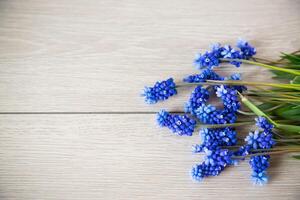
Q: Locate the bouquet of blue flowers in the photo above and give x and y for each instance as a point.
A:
(273, 107)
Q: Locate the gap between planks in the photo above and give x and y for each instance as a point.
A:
(79, 113)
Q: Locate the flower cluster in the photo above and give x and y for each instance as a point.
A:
(215, 141)
(260, 140)
(259, 165)
(161, 91)
(213, 138)
(257, 140)
(247, 51)
(198, 97)
(229, 97)
(178, 124)
(206, 74)
(237, 77)
(212, 58)
(214, 163)
(209, 114)
(264, 124)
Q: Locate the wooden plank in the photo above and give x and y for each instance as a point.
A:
(77, 56)
(118, 157)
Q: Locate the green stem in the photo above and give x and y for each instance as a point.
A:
(290, 148)
(245, 113)
(287, 127)
(290, 71)
(225, 125)
(279, 99)
(278, 85)
(274, 108)
(255, 109)
(265, 153)
(271, 95)
(266, 61)
(287, 140)
(214, 82)
(273, 92)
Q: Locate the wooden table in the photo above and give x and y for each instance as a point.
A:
(72, 124)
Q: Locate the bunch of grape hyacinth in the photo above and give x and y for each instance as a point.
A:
(215, 143)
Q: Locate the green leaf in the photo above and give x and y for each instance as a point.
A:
(255, 109)
(292, 66)
(283, 75)
(296, 157)
(265, 106)
(289, 128)
(296, 80)
(288, 112)
(292, 58)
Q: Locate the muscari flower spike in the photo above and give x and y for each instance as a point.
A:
(231, 53)
(214, 163)
(206, 60)
(260, 140)
(213, 138)
(209, 114)
(211, 59)
(263, 123)
(206, 74)
(199, 96)
(237, 77)
(229, 98)
(259, 165)
(247, 51)
(178, 124)
(242, 151)
(202, 170)
(161, 91)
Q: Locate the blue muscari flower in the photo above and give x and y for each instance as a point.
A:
(213, 138)
(217, 49)
(229, 52)
(247, 51)
(263, 123)
(202, 170)
(161, 91)
(259, 178)
(178, 124)
(162, 118)
(218, 157)
(199, 96)
(206, 74)
(208, 114)
(237, 77)
(226, 117)
(243, 150)
(206, 60)
(259, 165)
(211, 59)
(214, 163)
(260, 140)
(229, 97)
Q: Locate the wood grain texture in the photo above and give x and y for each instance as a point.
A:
(96, 56)
(110, 157)
(69, 56)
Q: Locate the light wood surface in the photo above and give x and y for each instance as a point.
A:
(118, 157)
(75, 57)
